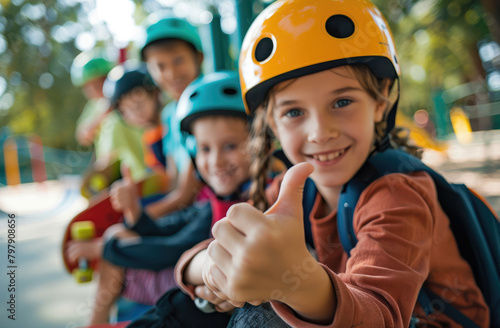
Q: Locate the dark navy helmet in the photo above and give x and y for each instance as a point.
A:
(123, 79)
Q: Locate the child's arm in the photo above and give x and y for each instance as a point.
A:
(157, 252)
(171, 224)
(264, 256)
(90, 120)
(183, 195)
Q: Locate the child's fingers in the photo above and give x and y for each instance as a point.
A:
(236, 304)
(226, 306)
(227, 235)
(116, 204)
(205, 293)
(215, 279)
(221, 256)
(244, 217)
(125, 171)
(115, 186)
(73, 253)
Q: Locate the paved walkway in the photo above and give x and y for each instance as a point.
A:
(477, 165)
(46, 295)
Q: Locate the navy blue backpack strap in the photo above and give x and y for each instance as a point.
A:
(310, 193)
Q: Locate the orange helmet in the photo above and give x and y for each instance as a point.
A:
(290, 39)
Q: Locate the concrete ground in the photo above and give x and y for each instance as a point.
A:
(46, 295)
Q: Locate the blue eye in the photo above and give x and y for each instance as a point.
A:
(342, 103)
(293, 113)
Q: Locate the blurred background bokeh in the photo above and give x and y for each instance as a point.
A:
(449, 53)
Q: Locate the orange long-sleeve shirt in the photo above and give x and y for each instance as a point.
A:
(404, 239)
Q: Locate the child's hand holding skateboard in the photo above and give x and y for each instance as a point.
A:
(125, 197)
(90, 249)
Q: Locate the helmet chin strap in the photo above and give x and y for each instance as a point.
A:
(385, 142)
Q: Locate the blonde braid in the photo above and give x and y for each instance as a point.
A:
(260, 150)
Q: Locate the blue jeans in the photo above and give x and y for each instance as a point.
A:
(261, 316)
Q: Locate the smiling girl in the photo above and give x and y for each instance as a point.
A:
(318, 76)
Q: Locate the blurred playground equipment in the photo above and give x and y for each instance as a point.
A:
(461, 125)
(24, 159)
(419, 134)
(472, 106)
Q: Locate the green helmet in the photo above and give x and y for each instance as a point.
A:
(172, 28)
(87, 67)
(216, 93)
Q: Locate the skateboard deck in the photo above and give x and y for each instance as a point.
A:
(101, 213)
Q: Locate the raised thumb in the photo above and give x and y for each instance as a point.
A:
(125, 171)
(292, 190)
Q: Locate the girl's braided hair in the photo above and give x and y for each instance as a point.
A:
(261, 151)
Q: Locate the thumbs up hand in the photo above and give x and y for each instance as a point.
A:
(125, 198)
(262, 256)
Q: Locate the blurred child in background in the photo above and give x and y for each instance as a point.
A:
(173, 55)
(222, 162)
(112, 138)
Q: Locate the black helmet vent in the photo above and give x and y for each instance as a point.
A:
(229, 91)
(340, 26)
(264, 49)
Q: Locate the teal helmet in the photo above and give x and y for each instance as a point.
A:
(87, 67)
(216, 93)
(172, 28)
(124, 78)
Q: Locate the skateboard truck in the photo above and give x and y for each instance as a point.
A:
(81, 231)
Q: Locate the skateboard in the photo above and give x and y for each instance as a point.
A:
(101, 214)
(96, 180)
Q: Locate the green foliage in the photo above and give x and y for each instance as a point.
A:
(437, 45)
(39, 97)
